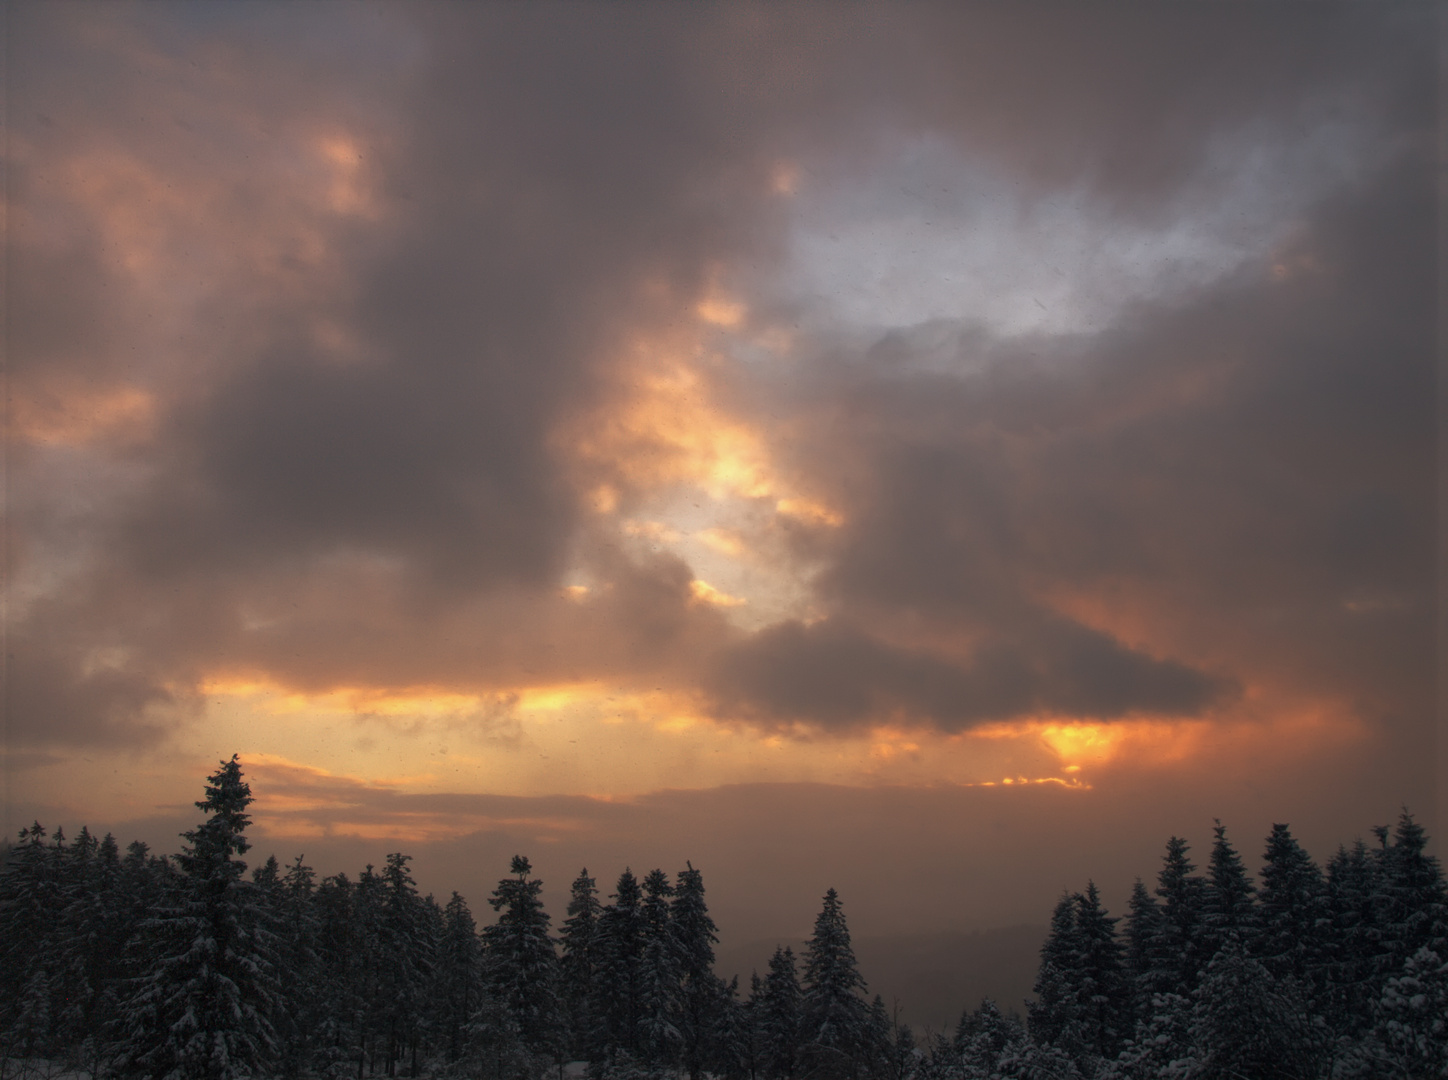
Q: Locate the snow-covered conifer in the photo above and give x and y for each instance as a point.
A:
(701, 992)
(835, 1034)
(578, 961)
(519, 960)
(202, 1006)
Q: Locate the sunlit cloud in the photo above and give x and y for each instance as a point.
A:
(81, 414)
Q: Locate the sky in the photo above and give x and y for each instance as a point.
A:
(934, 451)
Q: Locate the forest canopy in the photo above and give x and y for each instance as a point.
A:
(183, 966)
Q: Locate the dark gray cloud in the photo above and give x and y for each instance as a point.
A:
(835, 675)
(1254, 455)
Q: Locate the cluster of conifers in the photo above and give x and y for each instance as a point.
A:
(142, 966)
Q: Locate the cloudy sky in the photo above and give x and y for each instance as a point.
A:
(938, 452)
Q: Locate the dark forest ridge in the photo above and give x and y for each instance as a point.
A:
(154, 966)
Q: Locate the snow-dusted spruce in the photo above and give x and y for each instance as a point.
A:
(202, 1002)
(520, 962)
(835, 1031)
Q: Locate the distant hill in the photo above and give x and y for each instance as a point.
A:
(932, 977)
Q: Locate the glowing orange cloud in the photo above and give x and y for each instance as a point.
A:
(77, 414)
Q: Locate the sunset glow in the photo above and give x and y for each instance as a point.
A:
(503, 429)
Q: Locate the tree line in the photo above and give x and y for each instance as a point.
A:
(138, 965)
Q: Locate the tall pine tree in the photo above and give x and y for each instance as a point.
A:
(835, 1032)
(202, 1004)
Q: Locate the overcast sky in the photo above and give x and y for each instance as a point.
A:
(934, 451)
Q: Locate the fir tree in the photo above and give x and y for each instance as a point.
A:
(521, 965)
(1177, 950)
(1294, 913)
(401, 960)
(1053, 1011)
(778, 1016)
(1143, 930)
(618, 989)
(736, 1033)
(701, 992)
(577, 966)
(1352, 939)
(983, 1038)
(202, 1008)
(1245, 1023)
(459, 975)
(296, 927)
(1102, 998)
(660, 1039)
(1410, 907)
(1410, 1031)
(835, 1029)
(31, 896)
(1228, 912)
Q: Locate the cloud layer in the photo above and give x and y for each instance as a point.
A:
(924, 369)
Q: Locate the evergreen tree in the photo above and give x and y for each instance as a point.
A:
(1162, 1045)
(778, 1016)
(32, 895)
(577, 966)
(983, 1037)
(1143, 930)
(521, 965)
(1228, 912)
(343, 927)
(400, 960)
(701, 992)
(1409, 1039)
(1410, 907)
(1295, 916)
(835, 1031)
(459, 976)
(618, 989)
(1102, 998)
(296, 927)
(1053, 1012)
(1177, 950)
(1245, 1023)
(736, 1033)
(660, 1038)
(1352, 940)
(202, 1008)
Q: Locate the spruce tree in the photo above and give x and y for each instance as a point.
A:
(779, 1016)
(1102, 997)
(1294, 913)
(296, 925)
(701, 992)
(578, 963)
(1053, 1012)
(458, 976)
(1228, 911)
(31, 897)
(835, 1029)
(660, 1036)
(521, 965)
(1245, 1023)
(1177, 949)
(1143, 929)
(1409, 1038)
(1352, 939)
(400, 961)
(736, 1033)
(1410, 907)
(201, 1007)
(617, 1006)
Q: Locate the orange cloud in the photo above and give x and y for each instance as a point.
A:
(705, 593)
(77, 415)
